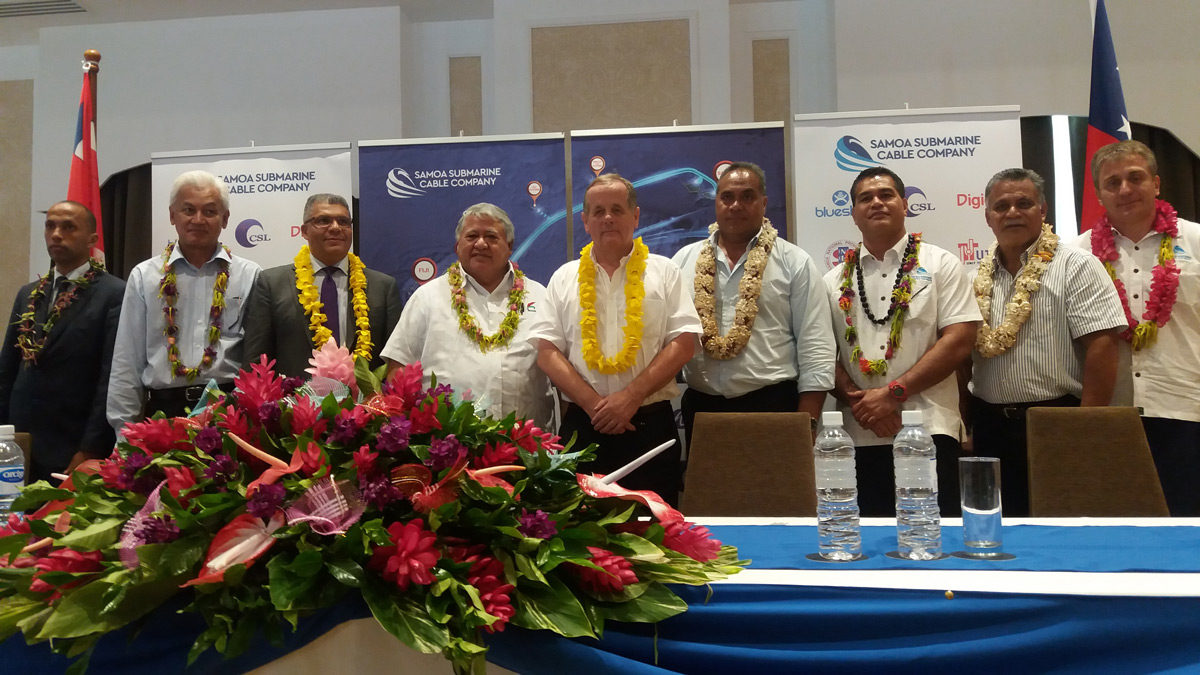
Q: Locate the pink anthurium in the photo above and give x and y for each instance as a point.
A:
(276, 467)
(487, 478)
(413, 480)
(242, 540)
(595, 487)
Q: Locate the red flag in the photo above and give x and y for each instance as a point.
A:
(85, 176)
(1107, 121)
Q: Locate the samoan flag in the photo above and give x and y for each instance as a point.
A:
(84, 186)
(1107, 121)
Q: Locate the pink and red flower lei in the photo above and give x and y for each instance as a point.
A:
(28, 340)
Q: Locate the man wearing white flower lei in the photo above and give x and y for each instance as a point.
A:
(1049, 336)
(767, 344)
(1153, 256)
(904, 320)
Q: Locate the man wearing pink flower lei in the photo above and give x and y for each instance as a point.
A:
(1149, 253)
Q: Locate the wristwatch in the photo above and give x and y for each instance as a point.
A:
(898, 391)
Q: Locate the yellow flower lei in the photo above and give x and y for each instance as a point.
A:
(994, 342)
(724, 347)
(635, 294)
(310, 299)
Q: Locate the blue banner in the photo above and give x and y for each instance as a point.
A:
(675, 174)
(412, 195)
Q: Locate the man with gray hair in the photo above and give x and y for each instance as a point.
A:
(182, 315)
(470, 326)
(1049, 333)
(325, 293)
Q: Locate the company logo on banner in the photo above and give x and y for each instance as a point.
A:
(918, 203)
(850, 155)
(836, 253)
(840, 209)
(250, 233)
(970, 252)
(401, 185)
(972, 201)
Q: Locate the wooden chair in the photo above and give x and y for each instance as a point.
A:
(750, 464)
(26, 442)
(1091, 462)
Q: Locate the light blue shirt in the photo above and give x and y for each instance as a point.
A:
(792, 336)
(140, 356)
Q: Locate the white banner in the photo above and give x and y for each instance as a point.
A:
(944, 156)
(267, 190)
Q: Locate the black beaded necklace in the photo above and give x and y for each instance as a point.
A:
(862, 293)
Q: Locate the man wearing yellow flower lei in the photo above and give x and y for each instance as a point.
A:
(470, 326)
(767, 343)
(1044, 305)
(616, 329)
(326, 292)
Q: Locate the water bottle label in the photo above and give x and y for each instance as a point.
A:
(14, 474)
(835, 473)
(916, 472)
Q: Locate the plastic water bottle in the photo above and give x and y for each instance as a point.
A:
(918, 520)
(12, 468)
(838, 530)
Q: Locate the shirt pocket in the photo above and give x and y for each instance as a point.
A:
(231, 318)
(922, 307)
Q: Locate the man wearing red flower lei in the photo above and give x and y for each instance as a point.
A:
(1150, 254)
(182, 316)
(904, 319)
(58, 348)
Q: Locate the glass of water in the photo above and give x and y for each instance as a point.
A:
(979, 485)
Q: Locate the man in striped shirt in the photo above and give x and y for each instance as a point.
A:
(1054, 345)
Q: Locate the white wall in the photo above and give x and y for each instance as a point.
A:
(428, 48)
(20, 63)
(808, 25)
(299, 77)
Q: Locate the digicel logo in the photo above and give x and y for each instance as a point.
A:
(973, 201)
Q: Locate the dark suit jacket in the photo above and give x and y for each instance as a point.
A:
(60, 400)
(277, 326)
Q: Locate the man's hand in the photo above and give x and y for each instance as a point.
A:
(612, 414)
(78, 458)
(876, 410)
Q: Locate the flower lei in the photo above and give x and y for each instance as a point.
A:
(635, 293)
(901, 295)
(310, 300)
(29, 340)
(724, 347)
(1164, 278)
(466, 322)
(169, 293)
(994, 342)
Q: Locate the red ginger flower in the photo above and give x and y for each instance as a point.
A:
(15, 524)
(424, 417)
(306, 416)
(692, 540)
(487, 576)
(180, 480)
(258, 385)
(526, 434)
(406, 383)
(158, 436)
(495, 455)
(64, 560)
(410, 557)
(618, 572)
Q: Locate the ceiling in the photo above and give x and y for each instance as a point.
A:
(20, 20)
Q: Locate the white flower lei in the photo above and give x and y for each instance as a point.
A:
(725, 347)
(994, 342)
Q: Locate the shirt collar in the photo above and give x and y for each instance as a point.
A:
(753, 240)
(898, 248)
(343, 264)
(504, 285)
(73, 274)
(221, 254)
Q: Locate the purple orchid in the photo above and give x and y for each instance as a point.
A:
(537, 525)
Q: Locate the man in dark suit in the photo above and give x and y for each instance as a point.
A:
(58, 347)
(326, 292)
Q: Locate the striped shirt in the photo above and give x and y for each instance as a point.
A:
(1076, 297)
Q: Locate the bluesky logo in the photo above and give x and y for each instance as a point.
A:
(250, 233)
(401, 185)
(918, 203)
(841, 201)
(850, 155)
(841, 198)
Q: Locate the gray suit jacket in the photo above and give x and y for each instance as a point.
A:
(277, 326)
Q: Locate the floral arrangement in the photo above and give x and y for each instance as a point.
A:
(467, 323)
(1164, 279)
(897, 310)
(284, 497)
(635, 294)
(995, 341)
(310, 300)
(31, 340)
(725, 347)
(168, 290)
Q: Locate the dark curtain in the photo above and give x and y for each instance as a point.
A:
(125, 206)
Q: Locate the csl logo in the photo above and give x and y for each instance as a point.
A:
(250, 233)
(917, 205)
(15, 475)
(850, 155)
(840, 200)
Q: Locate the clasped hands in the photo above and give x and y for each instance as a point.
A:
(612, 414)
(876, 410)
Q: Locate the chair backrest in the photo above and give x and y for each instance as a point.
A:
(1091, 462)
(26, 442)
(750, 464)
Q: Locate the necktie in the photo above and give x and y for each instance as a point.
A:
(329, 302)
(43, 309)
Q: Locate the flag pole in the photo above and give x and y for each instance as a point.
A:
(91, 64)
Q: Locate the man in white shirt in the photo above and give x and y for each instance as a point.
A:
(1151, 255)
(470, 326)
(182, 315)
(767, 344)
(616, 330)
(905, 320)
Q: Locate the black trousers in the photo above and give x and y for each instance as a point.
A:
(778, 397)
(877, 478)
(655, 425)
(1175, 445)
(178, 401)
(999, 431)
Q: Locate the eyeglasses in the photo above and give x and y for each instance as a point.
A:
(324, 222)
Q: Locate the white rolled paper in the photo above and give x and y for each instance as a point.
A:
(628, 468)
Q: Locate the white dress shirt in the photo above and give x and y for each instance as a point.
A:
(1164, 379)
(140, 356)
(791, 338)
(668, 312)
(73, 276)
(342, 281)
(941, 296)
(502, 380)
